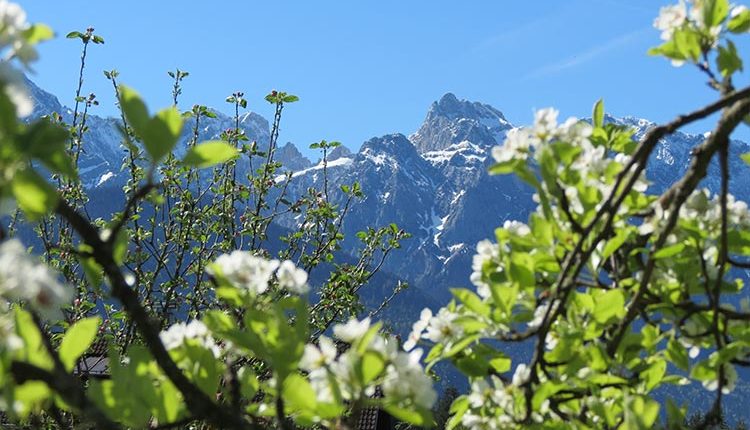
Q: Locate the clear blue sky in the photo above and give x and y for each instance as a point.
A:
(366, 68)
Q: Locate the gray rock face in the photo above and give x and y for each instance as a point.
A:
(450, 121)
(291, 158)
(103, 153)
(339, 152)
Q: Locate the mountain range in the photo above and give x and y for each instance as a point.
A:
(433, 183)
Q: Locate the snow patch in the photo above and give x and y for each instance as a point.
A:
(438, 226)
(104, 178)
(468, 150)
(339, 162)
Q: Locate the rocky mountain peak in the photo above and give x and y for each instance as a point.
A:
(291, 158)
(451, 121)
(44, 102)
(390, 145)
(339, 152)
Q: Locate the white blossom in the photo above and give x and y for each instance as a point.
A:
(737, 10)
(730, 380)
(316, 357)
(417, 329)
(671, 18)
(24, 278)
(516, 228)
(345, 374)
(486, 251)
(245, 270)
(292, 278)
(321, 384)
(15, 88)
(521, 375)
(539, 314)
(545, 123)
(442, 328)
(352, 330)
(405, 379)
(176, 335)
(516, 146)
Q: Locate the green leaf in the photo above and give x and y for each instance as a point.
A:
(654, 374)
(472, 366)
(298, 394)
(714, 12)
(500, 364)
(544, 391)
(210, 153)
(161, 133)
(740, 23)
(640, 413)
(677, 354)
(34, 351)
(728, 60)
(608, 305)
(521, 269)
(688, 43)
(74, 34)
(669, 251)
(38, 33)
(615, 243)
(91, 269)
(471, 301)
(418, 417)
(598, 113)
(461, 345)
(504, 168)
(120, 246)
(77, 340)
(30, 396)
(45, 142)
(371, 366)
(134, 109)
(34, 195)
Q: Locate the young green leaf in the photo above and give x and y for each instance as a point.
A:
(740, 23)
(34, 195)
(598, 113)
(210, 153)
(161, 133)
(135, 110)
(77, 340)
(38, 33)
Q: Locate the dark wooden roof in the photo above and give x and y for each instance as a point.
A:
(95, 362)
(373, 418)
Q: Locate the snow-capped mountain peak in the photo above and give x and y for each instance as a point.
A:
(450, 121)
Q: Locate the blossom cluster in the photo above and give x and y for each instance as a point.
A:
(331, 374)
(24, 278)
(249, 272)
(14, 44)
(195, 331)
(522, 142)
(694, 16)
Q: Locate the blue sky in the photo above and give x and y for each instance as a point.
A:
(366, 68)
